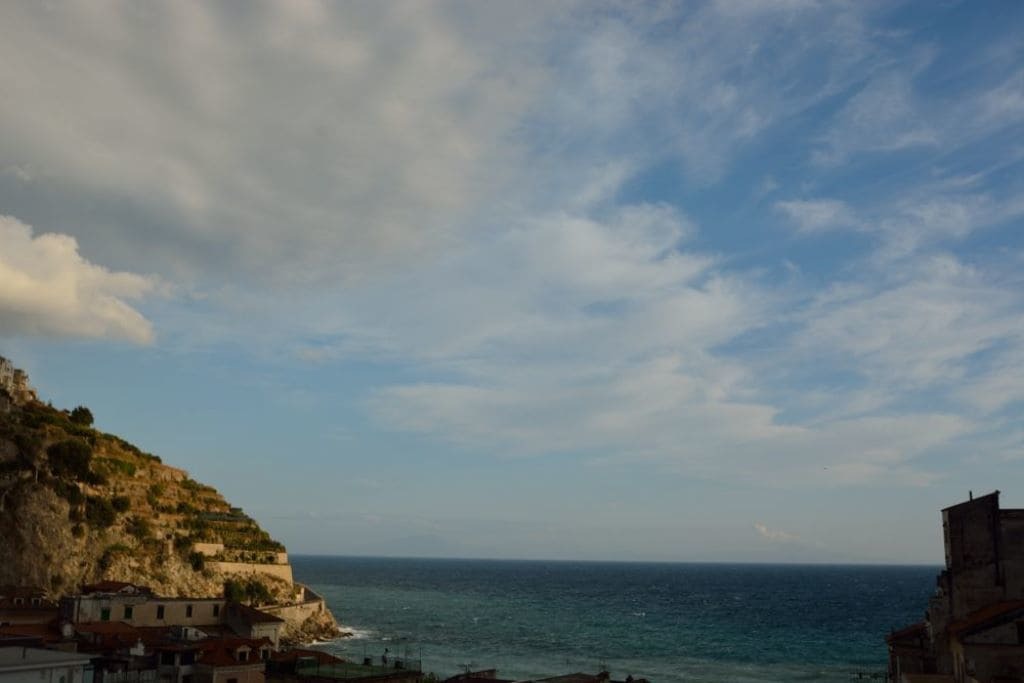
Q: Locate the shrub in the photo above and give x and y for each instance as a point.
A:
(234, 590)
(120, 466)
(154, 493)
(82, 416)
(121, 503)
(95, 478)
(78, 531)
(107, 558)
(139, 528)
(99, 512)
(252, 591)
(29, 444)
(69, 491)
(182, 543)
(70, 458)
(198, 561)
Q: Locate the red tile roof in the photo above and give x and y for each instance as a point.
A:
(253, 615)
(994, 613)
(912, 631)
(114, 587)
(221, 651)
(47, 632)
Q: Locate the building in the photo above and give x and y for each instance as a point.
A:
(973, 630)
(138, 606)
(6, 375)
(35, 665)
(128, 605)
(253, 623)
(21, 605)
(14, 383)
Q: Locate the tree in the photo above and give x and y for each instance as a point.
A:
(82, 416)
(70, 458)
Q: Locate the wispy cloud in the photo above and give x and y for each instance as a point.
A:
(818, 215)
(535, 217)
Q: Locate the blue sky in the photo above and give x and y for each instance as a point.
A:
(670, 281)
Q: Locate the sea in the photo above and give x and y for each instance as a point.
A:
(665, 622)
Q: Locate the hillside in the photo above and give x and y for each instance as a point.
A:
(78, 506)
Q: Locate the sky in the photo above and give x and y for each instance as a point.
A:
(695, 281)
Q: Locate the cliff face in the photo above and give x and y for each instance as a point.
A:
(78, 506)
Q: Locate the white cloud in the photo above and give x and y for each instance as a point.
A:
(283, 142)
(48, 289)
(776, 535)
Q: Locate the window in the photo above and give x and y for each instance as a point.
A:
(232, 680)
(216, 610)
(19, 601)
(36, 602)
(167, 658)
(128, 612)
(105, 614)
(188, 611)
(159, 611)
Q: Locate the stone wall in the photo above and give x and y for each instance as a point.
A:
(305, 621)
(208, 549)
(280, 571)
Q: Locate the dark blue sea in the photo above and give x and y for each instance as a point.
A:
(663, 622)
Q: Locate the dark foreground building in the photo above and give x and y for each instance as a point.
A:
(973, 631)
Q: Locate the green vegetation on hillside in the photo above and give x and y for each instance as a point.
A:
(118, 498)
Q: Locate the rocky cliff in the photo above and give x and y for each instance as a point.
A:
(78, 506)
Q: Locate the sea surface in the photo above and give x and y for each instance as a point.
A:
(665, 622)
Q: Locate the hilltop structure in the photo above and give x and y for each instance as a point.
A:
(973, 631)
(13, 383)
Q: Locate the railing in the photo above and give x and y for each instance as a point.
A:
(351, 670)
(145, 676)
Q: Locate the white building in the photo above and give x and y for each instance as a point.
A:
(34, 665)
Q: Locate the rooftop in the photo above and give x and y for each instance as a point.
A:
(30, 657)
(990, 615)
(253, 615)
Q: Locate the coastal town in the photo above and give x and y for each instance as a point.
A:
(230, 612)
(117, 632)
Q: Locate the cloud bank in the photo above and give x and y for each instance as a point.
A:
(553, 227)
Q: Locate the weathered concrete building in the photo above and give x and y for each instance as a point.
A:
(973, 631)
